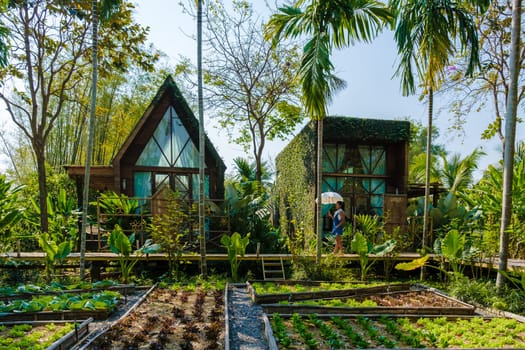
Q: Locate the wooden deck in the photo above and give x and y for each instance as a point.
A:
(108, 256)
(513, 264)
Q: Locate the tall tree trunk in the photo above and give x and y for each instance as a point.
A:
(427, 171)
(510, 137)
(42, 184)
(202, 237)
(318, 191)
(87, 172)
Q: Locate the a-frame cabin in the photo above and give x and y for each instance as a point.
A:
(161, 151)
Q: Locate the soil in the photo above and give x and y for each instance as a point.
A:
(411, 299)
(170, 319)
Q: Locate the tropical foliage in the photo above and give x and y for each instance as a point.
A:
(10, 212)
(122, 245)
(236, 247)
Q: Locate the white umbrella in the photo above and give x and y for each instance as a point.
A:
(330, 197)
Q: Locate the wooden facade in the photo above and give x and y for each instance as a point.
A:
(162, 149)
(364, 160)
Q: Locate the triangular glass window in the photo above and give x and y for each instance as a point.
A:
(170, 146)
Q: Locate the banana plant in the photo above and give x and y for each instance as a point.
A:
(54, 251)
(117, 208)
(63, 216)
(236, 246)
(10, 212)
(455, 249)
(122, 245)
(363, 248)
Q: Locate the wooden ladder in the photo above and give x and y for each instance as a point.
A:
(273, 270)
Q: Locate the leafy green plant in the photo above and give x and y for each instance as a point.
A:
(363, 248)
(368, 225)
(355, 337)
(122, 245)
(327, 332)
(63, 216)
(10, 213)
(104, 300)
(236, 246)
(117, 208)
(54, 252)
(334, 302)
(455, 249)
(308, 337)
(279, 330)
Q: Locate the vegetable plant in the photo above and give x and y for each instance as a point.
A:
(308, 337)
(279, 331)
(25, 336)
(327, 332)
(105, 300)
(356, 338)
(236, 246)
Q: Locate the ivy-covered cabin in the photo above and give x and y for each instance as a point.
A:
(162, 151)
(364, 160)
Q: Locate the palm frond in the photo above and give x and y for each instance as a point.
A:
(426, 33)
(109, 8)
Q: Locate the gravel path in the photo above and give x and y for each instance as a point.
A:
(246, 324)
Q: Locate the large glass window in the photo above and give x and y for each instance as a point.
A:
(170, 145)
(357, 172)
(142, 184)
(359, 160)
(361, 195)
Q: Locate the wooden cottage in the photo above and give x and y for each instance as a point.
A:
(162, 151)
(364, 160)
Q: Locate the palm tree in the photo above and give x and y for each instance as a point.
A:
(510, 136)
(247, 174)
(327, 24)
(202, 238)
(457, 173)
(426, 33)
(108, 8)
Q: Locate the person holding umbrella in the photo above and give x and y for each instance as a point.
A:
(339, 219)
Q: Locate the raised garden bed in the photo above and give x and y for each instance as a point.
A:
(417, 302)
(299, 291)
(98, 305)
(41, 335)
(316, 332)
(28, 291)
(170, 318)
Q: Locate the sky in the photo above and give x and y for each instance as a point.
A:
(368, 69)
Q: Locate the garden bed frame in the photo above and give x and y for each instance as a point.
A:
(67, 341)
(377, 310)
(461, 308)
(52, 316)
(339, 293)
(124, 289)
(273, 345)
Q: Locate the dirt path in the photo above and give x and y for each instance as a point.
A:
(245, 321)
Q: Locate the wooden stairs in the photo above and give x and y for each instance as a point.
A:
(273, 270)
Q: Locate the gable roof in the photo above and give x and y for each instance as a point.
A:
(167, 95)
